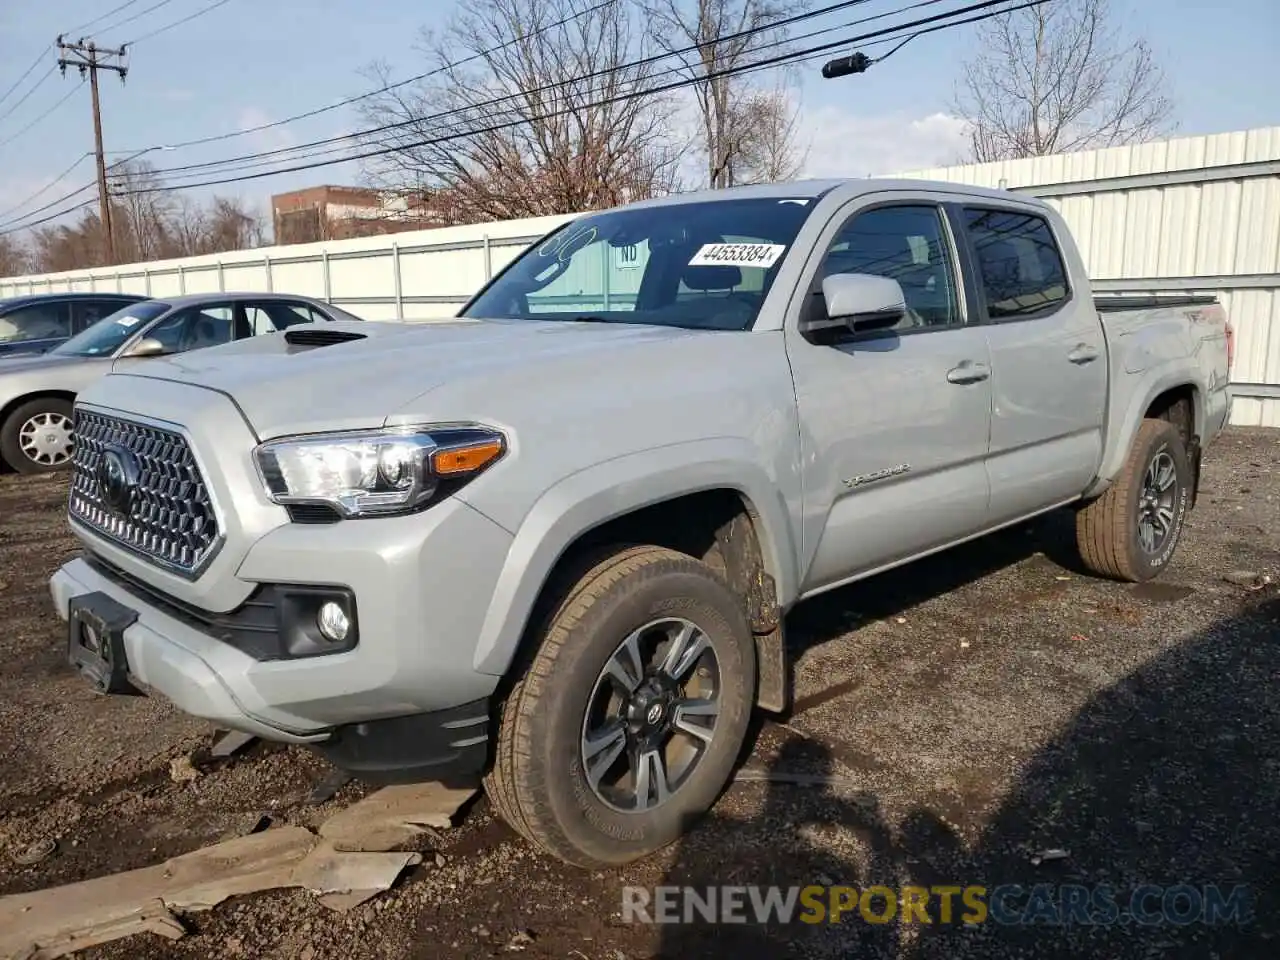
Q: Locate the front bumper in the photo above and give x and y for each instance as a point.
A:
(422, 585)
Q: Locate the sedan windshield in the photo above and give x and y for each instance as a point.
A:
(705, 265)
(107, 335)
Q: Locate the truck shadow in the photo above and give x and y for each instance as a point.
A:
(1170, 778)
(825, 617)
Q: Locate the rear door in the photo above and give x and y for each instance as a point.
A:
(894, 424)
(1048, 357)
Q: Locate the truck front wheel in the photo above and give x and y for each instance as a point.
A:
(626, 725)
(1132, 530)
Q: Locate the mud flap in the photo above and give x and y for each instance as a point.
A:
(1193, 455)
(773, 683)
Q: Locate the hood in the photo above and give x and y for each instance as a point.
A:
(22, 362)
(283, 389)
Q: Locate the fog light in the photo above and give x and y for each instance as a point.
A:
(333, 622)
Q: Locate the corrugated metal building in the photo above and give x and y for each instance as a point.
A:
(1199, 214)
(1193, 214)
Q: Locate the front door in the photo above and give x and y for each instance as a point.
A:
(1049, 385)
(894, 424)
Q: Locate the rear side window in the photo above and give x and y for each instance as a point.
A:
(37, 321)
(1019, 263)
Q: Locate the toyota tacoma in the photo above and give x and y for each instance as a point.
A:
(549, 545)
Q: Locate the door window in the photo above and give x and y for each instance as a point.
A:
(37, 321)
(904, 243)
(1019, 263)
(85, 313)
(195, 328)
(270, 316)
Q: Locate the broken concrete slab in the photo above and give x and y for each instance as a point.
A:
(394, 816)
(60, 920)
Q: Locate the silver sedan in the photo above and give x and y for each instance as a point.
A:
(37, 392)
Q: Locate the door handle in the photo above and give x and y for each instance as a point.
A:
(1082, 353)
(968, 372)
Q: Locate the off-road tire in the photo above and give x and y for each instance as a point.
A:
(537, 784)
(10, 447)
(1107, 528)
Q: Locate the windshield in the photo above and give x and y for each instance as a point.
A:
(107, 335)
(705, 265)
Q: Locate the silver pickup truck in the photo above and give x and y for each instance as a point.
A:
(550, 544)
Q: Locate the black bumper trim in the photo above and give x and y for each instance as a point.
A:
(450, 746)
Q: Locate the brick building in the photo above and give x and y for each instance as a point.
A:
(336, 213)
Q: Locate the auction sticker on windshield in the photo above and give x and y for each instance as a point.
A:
(737, 255)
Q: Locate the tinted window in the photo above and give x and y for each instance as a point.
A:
(36, 321)
(702, 265)
(107, 335)
(85, 313)
(1019, 263)
(907, 244)
(271, 316)
(194, 328)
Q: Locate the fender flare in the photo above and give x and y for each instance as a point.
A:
(589, 498)
(1155, 381)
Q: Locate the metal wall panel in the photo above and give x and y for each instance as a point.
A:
(1189, 213)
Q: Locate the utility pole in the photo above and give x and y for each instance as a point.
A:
(90, 58)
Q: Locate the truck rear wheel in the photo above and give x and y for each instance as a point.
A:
(627, 723)
(1131, 531)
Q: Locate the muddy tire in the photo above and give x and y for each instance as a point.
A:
(35, 437)
(625, 727)
(1132, 530)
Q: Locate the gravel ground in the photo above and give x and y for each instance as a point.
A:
(966, 713)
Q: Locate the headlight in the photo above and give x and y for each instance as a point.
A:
(376, 472)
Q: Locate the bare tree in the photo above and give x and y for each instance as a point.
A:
(142, 217)
(14, 258)
(563, 146)
(724, 35)
(767, 148)
(1058, 77)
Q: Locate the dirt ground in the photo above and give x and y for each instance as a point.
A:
(970, 710)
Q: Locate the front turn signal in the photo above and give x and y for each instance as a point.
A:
(465, 458)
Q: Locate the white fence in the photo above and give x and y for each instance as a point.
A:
(1193, 214)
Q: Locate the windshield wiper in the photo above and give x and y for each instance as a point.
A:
(588, 318)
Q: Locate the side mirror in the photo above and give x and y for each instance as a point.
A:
(861, 302)
(147, 347)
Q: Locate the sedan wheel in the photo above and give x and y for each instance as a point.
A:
(38, 436)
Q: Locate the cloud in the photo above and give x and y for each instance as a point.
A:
(845, 144)
(275, 138)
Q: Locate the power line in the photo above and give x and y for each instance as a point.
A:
(12, 137)
(26, 73)
(98, 19)
(802, 56)
(48, 186)
(492, 128)
(62, 199)
(236, 164)
(23, 99)
(177, 23)
(200, 141)
(136, 16)
(644, 61)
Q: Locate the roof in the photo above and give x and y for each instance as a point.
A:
(26, 298)
(215, 296)
(810, 189)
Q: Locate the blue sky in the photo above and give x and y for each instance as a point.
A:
(252, 61)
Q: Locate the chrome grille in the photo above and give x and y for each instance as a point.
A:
(169, 518)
